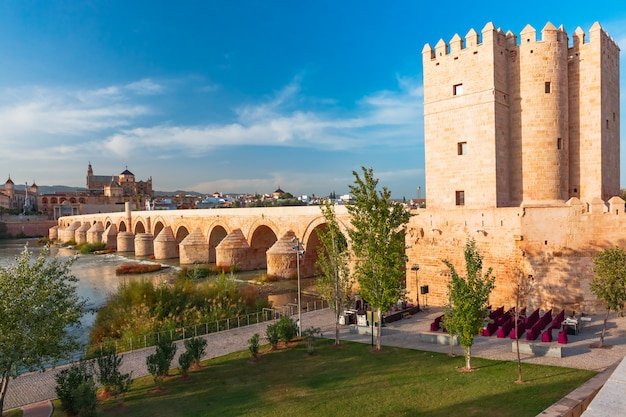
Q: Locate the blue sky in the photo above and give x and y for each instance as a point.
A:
(236, 96)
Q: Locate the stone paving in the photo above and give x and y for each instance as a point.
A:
(37, 387)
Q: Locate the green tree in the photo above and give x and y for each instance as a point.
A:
(76, 390)
(253, 346)
(272, 335)
(521, 291)
(377, 235)
(609, 284)
(160, 361)
(196, 347)
(184, 363)
(108, 372)
(287, 329)
(39, 312)
(469, 298)
(334, 284)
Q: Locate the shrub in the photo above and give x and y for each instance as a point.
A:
(195, 347)
(272, 334)
(184, 363)
(76, 390)
(92, 247)
(108, 374)
(310, 335)
(136, 268)
(160, 361)
(253, 345)
(287, 329)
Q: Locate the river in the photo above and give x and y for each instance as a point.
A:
(97, 278)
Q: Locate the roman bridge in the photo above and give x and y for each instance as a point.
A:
(245, 238)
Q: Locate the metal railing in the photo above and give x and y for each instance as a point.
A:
(129, 344)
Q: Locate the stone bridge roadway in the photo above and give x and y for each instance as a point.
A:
(248, 238)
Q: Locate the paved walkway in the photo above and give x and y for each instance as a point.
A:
(39, 387)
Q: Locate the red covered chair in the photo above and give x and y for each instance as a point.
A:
(521, 328)
(562, 337)
(436, 325)
(547, 335)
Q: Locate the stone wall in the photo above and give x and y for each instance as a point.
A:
(552, 246)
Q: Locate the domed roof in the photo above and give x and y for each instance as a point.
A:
(9, 181)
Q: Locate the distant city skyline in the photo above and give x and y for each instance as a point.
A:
(235, 97)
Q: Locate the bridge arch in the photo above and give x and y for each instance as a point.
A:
(158, 226)
(181, 233)
(122, 226)
(139, 227)
(215, 235)
(261, 239)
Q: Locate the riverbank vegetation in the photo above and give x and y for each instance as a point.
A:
(346, 382)
(129, 268)
(140, 307)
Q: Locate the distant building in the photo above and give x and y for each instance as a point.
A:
(103, 193)
(12, 199)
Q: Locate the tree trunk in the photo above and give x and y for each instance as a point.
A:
(519, 359)
(4, 385)
(337, 330)
(606, 318)
(468, 356)
(378, 329)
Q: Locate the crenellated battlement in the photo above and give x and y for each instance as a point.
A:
(534, 113)
(528, 36)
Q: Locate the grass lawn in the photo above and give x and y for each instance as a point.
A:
(350, 381)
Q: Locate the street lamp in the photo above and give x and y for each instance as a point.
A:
(299, 248)
(416, 267)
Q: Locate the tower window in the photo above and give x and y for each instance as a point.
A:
(559, 143)
(460, 198)
(547, 87)
(457, 89)
(461, 148)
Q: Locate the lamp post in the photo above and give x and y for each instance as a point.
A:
(416, 267)
(299, 248)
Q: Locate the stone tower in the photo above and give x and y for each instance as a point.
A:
(513, 122)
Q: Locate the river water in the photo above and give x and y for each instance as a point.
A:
(97, 278)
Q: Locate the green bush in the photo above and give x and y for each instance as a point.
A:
(76, 390)
(272, 334)
(91, 247)
(310, 335)
(253, 345)
(108, 373)
(195, 348)
(160, 361)
(287, 329)
(184, 363)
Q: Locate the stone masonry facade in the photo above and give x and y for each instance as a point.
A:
(521, 121)
(522, 155)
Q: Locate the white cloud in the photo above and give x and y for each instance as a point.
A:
(145, 86)
(389, 117)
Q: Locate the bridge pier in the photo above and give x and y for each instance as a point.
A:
(144, 244)
(80, 236)
(165, 245)
(125, 242)
(94, 234)
(194, 248)
(109, 237)
(67, 234)
(233, 251)
(53, 233)
(281, 258)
